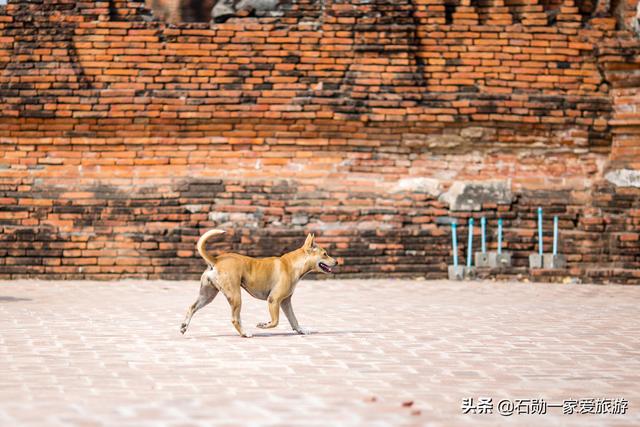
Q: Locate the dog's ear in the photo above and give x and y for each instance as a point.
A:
(309, 242)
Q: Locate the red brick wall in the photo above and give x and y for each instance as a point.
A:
(122, 138)
(176, 11)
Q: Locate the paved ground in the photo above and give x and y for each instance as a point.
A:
(85, 353)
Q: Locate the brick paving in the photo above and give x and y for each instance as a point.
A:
(93, 354)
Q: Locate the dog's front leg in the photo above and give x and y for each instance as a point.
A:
(274, 311)
(291, 317)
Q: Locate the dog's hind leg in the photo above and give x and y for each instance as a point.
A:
(207, 293)
(235, 301)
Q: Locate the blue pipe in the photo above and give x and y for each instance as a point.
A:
(454, 236)
(483, 223)
(555, 235)
(470, 246)
(499, 235)
(540, 231)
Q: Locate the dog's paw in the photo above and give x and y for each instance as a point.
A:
(247, 335)
(263, 325)
(183, 328)
(303, 331)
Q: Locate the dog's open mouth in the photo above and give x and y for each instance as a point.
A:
(324, 267)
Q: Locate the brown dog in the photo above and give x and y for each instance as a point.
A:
(273, 279)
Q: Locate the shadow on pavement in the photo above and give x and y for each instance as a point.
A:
(13, 299)
(284, 334)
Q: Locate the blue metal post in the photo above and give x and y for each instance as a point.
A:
(540, 231)
(454, 237)
(483, 223)
(499, 235)
(555, 235)
(470, 245)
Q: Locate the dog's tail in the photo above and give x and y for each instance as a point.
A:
(202, 241)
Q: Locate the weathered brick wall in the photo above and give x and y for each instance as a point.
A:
(123, 137)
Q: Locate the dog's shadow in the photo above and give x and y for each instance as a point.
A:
(285, 334)
(12, 299)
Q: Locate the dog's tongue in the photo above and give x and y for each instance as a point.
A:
(325, 267)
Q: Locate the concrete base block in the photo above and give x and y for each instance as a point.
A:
(503, 259)
(461, 272)
(493, 259)
(469, 272)
(535, 261)
(554, 261)
(456, 273)
(482, 259)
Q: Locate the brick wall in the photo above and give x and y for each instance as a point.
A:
(123, 137)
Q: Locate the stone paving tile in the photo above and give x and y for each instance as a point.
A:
(109, 354)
